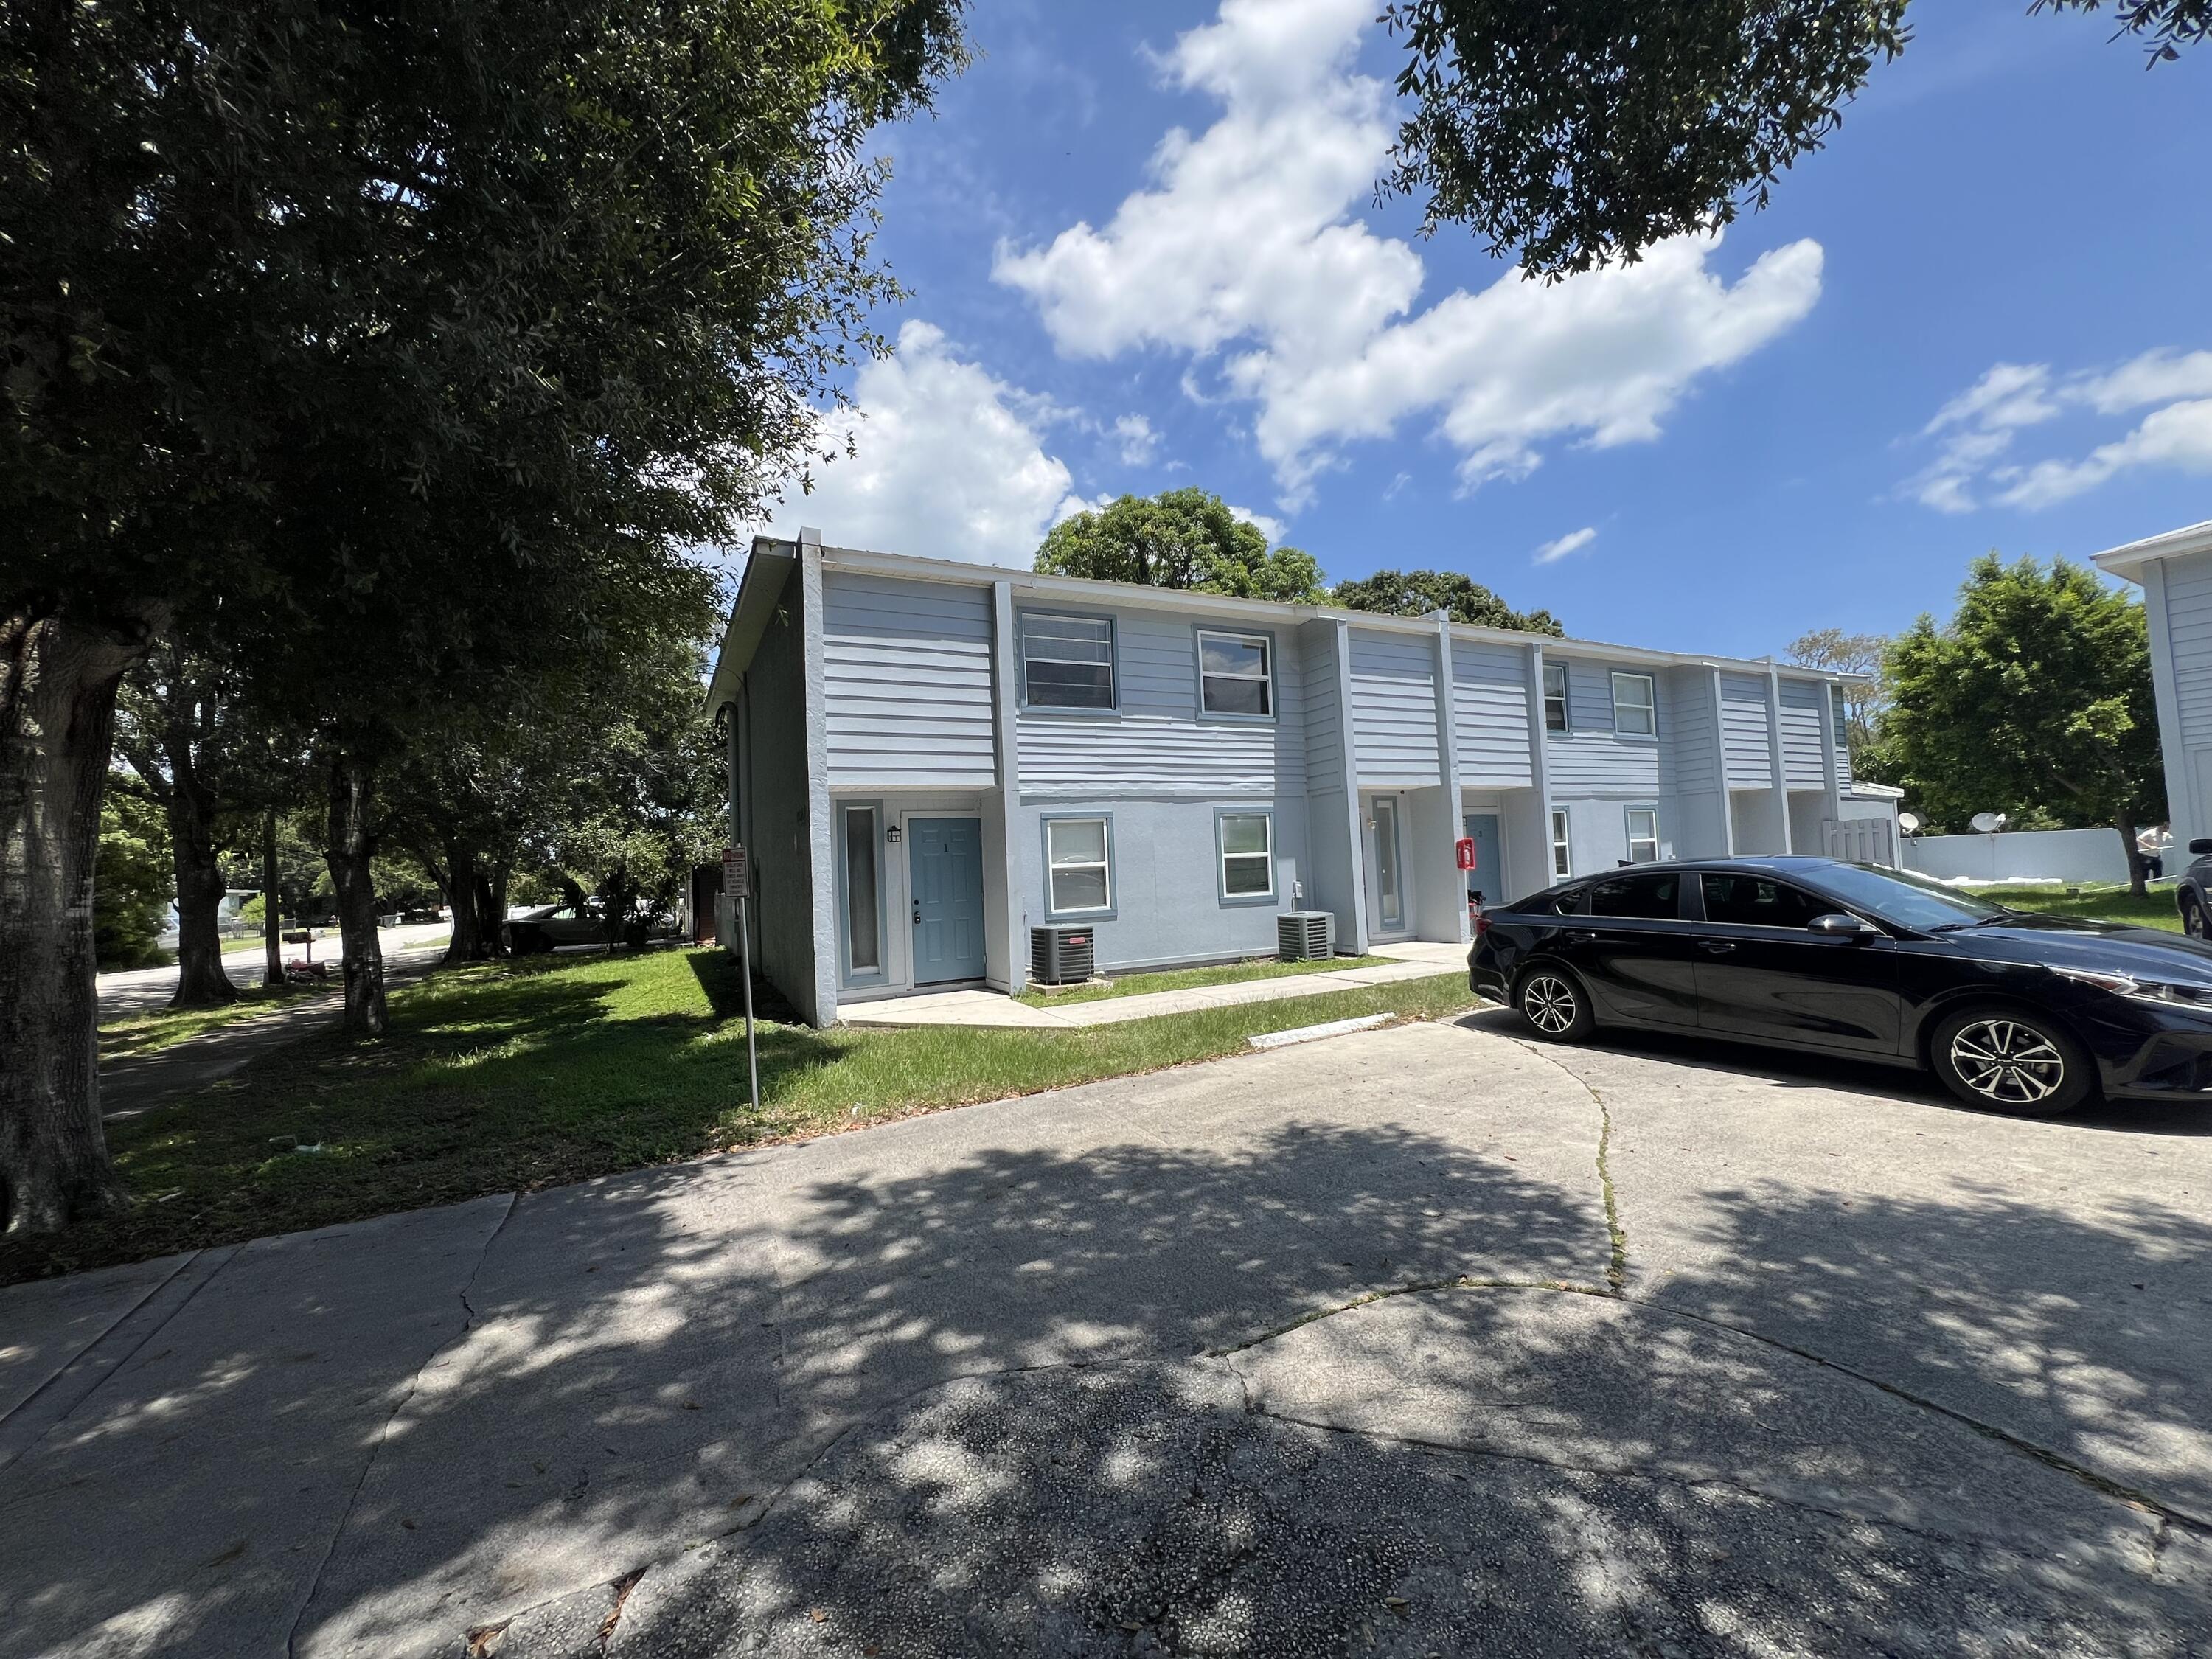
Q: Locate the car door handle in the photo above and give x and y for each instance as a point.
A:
(1719, 947)
(1576, 936)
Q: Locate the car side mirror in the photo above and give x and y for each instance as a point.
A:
(2200, 847)
(1838, 925)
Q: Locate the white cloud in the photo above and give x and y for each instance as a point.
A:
(1134, 433)
(2178, 436)
(1274, 529)
(1242, 250)
(2010, 395)
(1573, 542)
(947, 462)
(1972, 466)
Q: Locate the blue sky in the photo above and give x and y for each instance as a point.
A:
(1142, 251)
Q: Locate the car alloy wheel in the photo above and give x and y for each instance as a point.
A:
(2192, 918)
(1549, 1003)
(2007, 1061)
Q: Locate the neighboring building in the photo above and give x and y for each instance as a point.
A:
(927, 758)
(2175, 573)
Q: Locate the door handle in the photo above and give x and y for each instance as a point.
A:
(1577, 937)
(1719, 947)
(917, 915)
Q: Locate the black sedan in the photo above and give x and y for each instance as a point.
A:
(2026, 1013)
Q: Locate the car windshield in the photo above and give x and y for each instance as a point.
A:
(1907, 900)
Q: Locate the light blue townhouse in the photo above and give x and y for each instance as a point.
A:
(930, 761)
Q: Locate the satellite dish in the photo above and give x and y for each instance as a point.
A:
(1988, 822)
(1909, 821)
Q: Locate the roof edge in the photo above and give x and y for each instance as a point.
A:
(2132, 556)
(768, 567)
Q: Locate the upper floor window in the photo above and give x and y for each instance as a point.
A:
(1067, 662)
(1555, 696)
(1635, 707)
(1236, 674)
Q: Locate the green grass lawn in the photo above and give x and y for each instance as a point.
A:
(505, 1075)
(142, 1033)
(2094, 903)
(1182, 979)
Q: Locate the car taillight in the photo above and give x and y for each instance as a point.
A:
(1481, 925)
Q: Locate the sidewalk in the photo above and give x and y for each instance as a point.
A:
(1413, 960)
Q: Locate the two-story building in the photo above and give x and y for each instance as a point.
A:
(2174, 571)
(927, 759)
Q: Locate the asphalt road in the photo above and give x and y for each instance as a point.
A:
(1426, 1340)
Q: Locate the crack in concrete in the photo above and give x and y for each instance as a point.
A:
(1415, 1287)
(2103, 1484)
(1721, 1483)
(383, 1434)
(1616, 1272)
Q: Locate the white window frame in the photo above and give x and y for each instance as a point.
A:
(1563, 847)
(1112, 664)
(1265, 676)
(1222, 854)
(1103, 865)
(1648, 707)
(1635, 840)
(1566, 707)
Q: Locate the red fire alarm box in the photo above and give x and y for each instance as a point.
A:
(1465, 851)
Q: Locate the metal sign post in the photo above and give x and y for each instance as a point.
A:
(737, 880)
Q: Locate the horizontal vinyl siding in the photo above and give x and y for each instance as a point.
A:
(2189, 631)
(1801, 734)
(1743, 730)
(1589, 755)
(906, 683)
(1490, 715)
(1157, 740)
(1696, 744)
(1393, 709)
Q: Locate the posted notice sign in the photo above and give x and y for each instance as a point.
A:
(737, 871)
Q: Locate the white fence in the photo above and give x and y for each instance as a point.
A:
(1862, 840)
(2067, 855)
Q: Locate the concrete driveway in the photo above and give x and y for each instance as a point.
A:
(1418, 1341)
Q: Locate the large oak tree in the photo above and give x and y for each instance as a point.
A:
(367, 340)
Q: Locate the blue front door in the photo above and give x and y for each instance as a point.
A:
(948, 898)
(1486, 881)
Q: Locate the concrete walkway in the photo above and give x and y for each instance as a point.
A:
(1428, 1340)
(1413, 960)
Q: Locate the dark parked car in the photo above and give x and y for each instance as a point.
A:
(2193, 893)
(2027, 1013)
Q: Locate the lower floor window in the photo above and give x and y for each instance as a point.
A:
(863, 910)
(1247, 854)
(1563, 860)
(1077, 865)
(1643, 834)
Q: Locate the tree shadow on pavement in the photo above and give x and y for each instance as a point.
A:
(951, 1392)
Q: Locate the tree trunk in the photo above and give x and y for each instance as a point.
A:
(490, 900)
(461, 879)
(272, 905)
(201, 982)
(351, 845)
(2123, 821)
(57, 685)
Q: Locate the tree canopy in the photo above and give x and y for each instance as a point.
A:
(1419, 592)
(2035, 697)
(1864, 699)
(1572, 133)
(1187, 538)
(390, 359)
